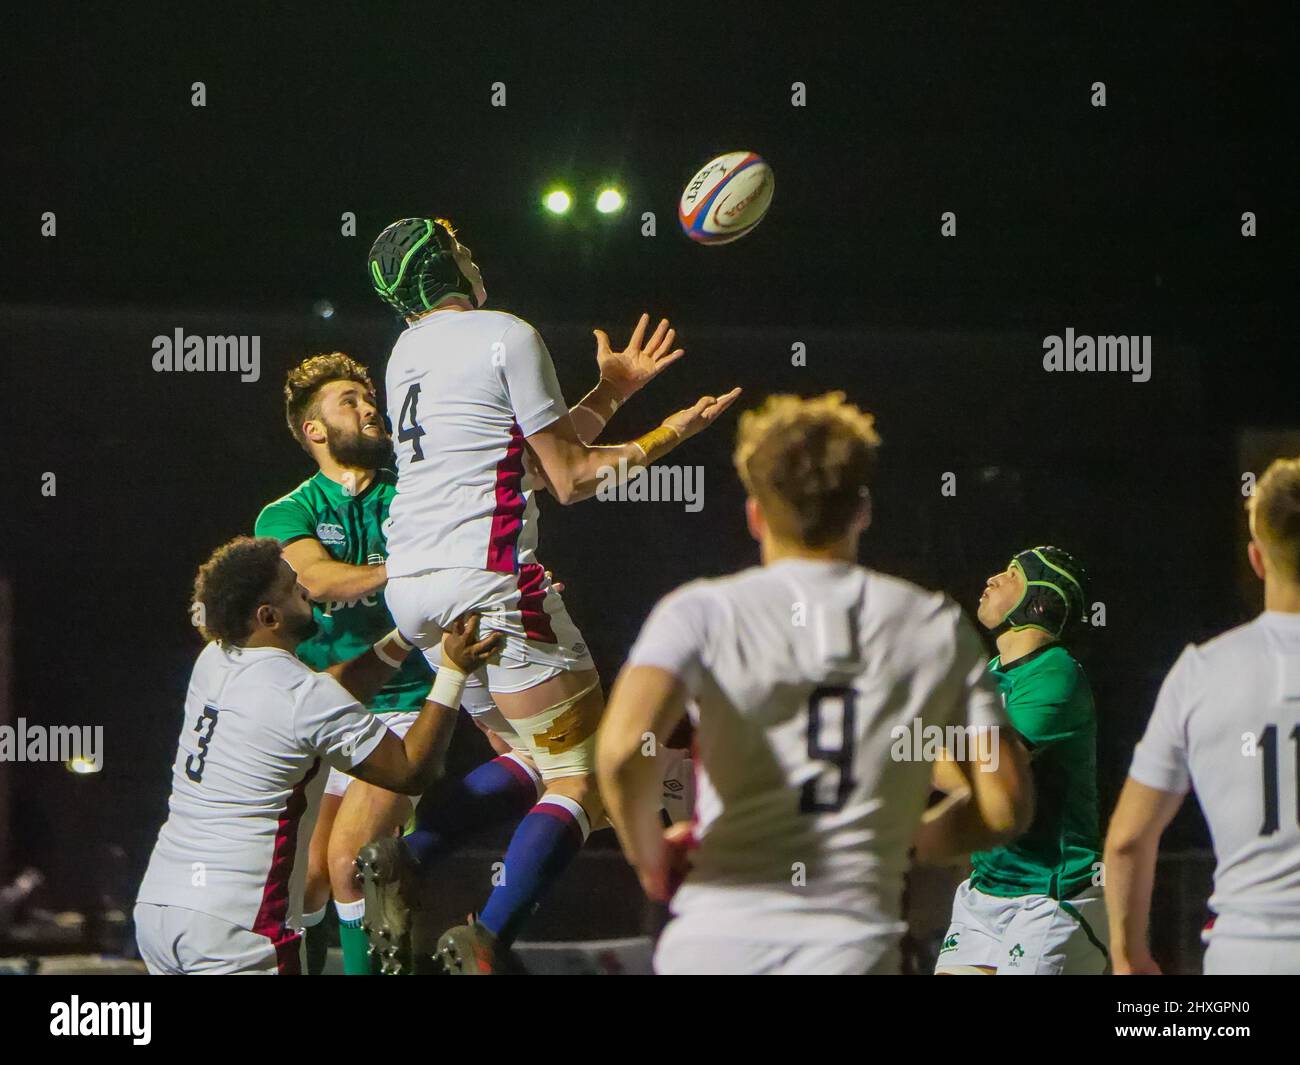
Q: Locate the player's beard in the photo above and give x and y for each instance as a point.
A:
(357, 450)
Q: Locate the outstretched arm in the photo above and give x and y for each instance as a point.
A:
(574, 470)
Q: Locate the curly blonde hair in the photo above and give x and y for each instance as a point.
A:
(809, 463)
(1274, 512)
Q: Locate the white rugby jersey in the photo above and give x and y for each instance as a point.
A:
(247, 782)
(1227, 725)
(801, 677)
(464, 388)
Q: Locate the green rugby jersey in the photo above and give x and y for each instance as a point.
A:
(1049, 703)
(351, 529)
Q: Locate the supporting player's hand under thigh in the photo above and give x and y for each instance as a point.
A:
(462, 648)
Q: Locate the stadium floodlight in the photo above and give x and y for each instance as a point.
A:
(558, 201)
(609, 200)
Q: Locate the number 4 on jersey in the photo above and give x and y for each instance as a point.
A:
(408, 424)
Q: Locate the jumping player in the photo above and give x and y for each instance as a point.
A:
(1035, 905)
(799, 675)
(224, 889)
(1227, 725)
(472, 394)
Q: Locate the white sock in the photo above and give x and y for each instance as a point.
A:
(351, 912)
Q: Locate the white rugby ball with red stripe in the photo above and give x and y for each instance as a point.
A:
(727, 198)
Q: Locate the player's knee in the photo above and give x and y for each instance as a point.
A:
(582, 790)
(578, 788)
(344, 846)
(343, 870)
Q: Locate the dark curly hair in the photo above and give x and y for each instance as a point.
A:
(232, 584)
(305, 381)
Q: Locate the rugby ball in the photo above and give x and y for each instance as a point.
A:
(727, 198)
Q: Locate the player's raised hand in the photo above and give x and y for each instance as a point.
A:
(686, 423)
(630, 369)
(462, 648)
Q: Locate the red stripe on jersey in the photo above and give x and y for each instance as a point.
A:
(508, 512)
(532, 603)
(288, 956)
(274, 910)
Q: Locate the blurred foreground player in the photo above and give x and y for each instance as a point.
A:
(472, 394)
(224, 888)
(799, 676)
(1035, 907)
(1227, 725)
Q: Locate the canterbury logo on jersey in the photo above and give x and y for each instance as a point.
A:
(330, 534)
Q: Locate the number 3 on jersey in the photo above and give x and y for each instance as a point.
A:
(408, 423)
(824, 706)
(205, 727)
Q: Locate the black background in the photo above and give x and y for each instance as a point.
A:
(226, 219)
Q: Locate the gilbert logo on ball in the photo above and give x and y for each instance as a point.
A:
(727, 198)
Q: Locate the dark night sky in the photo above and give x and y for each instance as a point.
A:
(226, 219)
